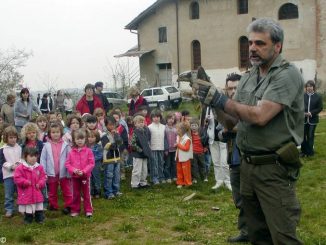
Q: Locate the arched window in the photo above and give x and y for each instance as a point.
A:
(196, 54)
(242, 6)
(194, 10)
(243, 52)
(288, 11)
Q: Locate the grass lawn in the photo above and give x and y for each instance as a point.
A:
(158, 215)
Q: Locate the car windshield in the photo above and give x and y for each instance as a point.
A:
(171, 90)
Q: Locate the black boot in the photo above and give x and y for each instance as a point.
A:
(238, 239)
(39, 216)
(28, 218)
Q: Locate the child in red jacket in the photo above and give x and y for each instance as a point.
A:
(80, 163)
(30, 179)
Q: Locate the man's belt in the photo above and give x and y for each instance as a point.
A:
(260, 159)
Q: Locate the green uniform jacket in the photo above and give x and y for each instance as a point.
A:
(283, 84)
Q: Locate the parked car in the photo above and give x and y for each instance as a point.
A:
(114, 98)
(162, 97)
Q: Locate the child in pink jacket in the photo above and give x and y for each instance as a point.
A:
(30, 179)
(80, 163)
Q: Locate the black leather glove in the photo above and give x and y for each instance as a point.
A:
(208, 94)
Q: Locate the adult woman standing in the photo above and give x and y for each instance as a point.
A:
(44, 104)
(23, 109)
(313, 105)
(88, 102)
(59, 101)
(7, 110)
(68, 104)
(136, 101)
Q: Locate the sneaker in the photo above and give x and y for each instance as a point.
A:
(144, 185)
(174, 179)
(179, 186)
(169, 181)
(156, 183)
(8, 214)
(89, 215)
(163, 181)
(194, 181)
(205, 180)
(118, 194)
(74, 214)
(228, 186)
(111, 197)
(217, 185)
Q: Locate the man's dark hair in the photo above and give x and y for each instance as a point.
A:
(98, 84)
(232, 77)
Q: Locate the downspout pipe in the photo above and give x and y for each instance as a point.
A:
(177, 25)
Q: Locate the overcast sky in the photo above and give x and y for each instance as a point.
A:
(71, 40)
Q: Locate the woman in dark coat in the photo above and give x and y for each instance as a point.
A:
(313, 105)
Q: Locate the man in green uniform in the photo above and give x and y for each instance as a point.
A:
(268, 110)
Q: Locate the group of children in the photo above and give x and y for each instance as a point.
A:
(73, 155)
(173, 147)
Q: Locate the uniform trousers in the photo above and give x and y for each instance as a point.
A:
(271, 208)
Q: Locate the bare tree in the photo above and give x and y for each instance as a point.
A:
(10, 62)
(123, 75)
(49, 83)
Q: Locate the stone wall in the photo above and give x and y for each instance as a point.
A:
(321, 43)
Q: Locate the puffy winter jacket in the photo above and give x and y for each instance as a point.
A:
(48, 163)
(26, 178)
(82, 159)
(82, 105)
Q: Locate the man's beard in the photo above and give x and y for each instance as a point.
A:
(258, 60)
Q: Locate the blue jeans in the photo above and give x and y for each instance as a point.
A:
(10, 189)
(157, 166)
(170, 166)
(96, 179)
(111, 179)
